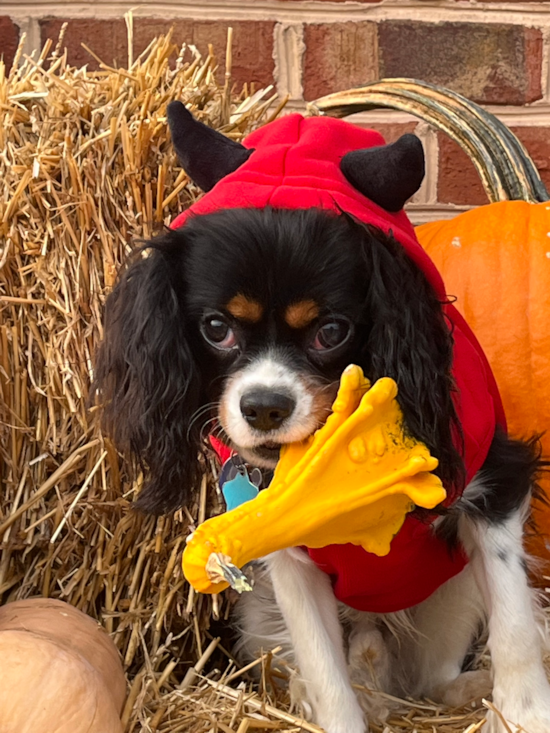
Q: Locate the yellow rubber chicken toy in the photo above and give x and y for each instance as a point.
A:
(353, 481)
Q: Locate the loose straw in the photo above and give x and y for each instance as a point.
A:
(79, 494)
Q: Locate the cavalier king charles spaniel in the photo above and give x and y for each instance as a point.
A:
(239, 323)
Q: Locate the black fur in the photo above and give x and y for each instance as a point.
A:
(147, 378)
(505, 483)
(509, 476)
(409, 340)
(154, 370)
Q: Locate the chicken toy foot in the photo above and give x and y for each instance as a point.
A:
(354, 481)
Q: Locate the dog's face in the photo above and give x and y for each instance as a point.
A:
(276, 303)
(240, 324)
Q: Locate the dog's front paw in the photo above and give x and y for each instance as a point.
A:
(346, 717)
(525, 717)
(343, 726)
(299, 702)
(466, 688)
(369, 671)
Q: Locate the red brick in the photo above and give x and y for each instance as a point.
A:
(108, 39)
(252, 55)
(537, 143)
(489, 63)
(458, 181)
(391, 131)
(9, 40)
(252, 42)
(338, 56)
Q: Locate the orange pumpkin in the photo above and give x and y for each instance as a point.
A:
(496, 260)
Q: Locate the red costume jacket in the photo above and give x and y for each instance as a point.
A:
(296, 165)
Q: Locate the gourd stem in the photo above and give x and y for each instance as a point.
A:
(503, 165)
(514, 148)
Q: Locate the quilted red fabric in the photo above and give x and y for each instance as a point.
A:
(295, 165)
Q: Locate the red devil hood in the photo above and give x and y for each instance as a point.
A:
(296, 164)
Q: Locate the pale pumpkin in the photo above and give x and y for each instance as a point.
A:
(59, 671)
(496, 261)
(362, 445)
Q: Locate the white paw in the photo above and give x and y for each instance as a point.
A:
(466, 688)
(346, 717)
(374, 706)
(369, 660)
(343, 726)
(369, 668)
(524, 720)
(299, 703)
(535, 726)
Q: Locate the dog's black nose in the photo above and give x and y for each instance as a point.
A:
(266, 410)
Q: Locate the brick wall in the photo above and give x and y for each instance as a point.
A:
(496, 53)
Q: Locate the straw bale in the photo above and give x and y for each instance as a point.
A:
(86, 168)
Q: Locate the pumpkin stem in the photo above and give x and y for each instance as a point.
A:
(504, 166)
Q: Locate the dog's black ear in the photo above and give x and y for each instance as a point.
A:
(146, 377)
(407, 338)
(205, 154)
(389, 174)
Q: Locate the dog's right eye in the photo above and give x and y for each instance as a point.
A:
(218, 333)
(331, 334)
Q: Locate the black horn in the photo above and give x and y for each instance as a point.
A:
(388, 175)
(206, 155)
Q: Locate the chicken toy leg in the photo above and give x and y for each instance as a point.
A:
(353, 481)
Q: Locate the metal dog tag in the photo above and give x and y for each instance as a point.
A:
(236, 484)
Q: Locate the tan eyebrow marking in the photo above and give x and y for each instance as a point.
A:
(299, 315)
(245, 308)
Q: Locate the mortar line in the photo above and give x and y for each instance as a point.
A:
(533, 116)
(545, 66)
(313, 11)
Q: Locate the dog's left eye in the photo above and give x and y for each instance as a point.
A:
(331, 334)
(218, 333)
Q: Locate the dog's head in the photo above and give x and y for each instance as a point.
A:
(240, 323)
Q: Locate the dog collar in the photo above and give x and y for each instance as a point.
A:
(238, 481)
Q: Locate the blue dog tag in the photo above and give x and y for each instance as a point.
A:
(238, 490)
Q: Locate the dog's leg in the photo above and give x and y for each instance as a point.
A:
(309, 608)
(369, 664)
(521, 691)
(432, 653)
(259, 621)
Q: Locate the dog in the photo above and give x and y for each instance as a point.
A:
(238, 323)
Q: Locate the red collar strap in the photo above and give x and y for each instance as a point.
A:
(223, 451)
